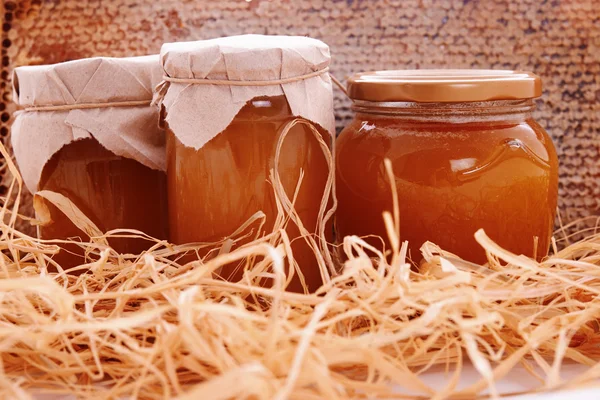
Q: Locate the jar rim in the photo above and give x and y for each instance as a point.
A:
(495, 110)
(444, 85)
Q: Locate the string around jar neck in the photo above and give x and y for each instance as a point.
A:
(226, 82)
(161, 88)
(87, 106)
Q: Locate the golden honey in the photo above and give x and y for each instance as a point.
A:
(214, 190)
(113, 191)
(458, 167)
(451, 180)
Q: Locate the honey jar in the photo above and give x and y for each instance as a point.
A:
(88, 133)
(227, 103)
(466, 153)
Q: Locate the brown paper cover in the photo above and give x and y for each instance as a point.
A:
(128, 131)
(196, 113)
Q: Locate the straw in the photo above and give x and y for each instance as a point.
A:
(149, 327)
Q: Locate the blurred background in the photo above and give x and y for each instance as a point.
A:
(557, 39)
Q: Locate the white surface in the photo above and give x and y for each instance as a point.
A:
(517, 381)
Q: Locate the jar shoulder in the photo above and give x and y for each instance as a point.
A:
(387, 137)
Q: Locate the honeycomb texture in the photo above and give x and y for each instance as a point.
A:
(558, 39)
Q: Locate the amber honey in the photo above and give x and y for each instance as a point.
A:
(214, 190)
(454, 175)
(113, 191)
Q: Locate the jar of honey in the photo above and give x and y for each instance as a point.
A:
(465, 152)
(228, 105)
(88, 133)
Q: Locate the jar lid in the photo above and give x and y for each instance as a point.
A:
(444, 86)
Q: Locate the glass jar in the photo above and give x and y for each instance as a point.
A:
(466, 154)
(227, 105)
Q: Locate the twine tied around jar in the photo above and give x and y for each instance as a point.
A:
(161, 88)
(86, 106)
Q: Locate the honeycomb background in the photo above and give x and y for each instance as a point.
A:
(558, 39)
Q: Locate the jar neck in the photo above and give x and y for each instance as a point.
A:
(464, 112)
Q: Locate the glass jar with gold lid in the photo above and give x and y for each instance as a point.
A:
(466, 154)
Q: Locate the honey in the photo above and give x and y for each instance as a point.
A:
(214, 190)
(458, 167)
(113, 191)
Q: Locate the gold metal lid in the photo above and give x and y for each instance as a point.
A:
(444, 85)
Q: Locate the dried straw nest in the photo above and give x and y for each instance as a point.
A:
(145, 326)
